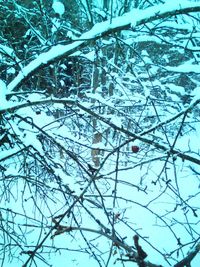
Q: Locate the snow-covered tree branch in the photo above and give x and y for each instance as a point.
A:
(134, 18)
(99, 133)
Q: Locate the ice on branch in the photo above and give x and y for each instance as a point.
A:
(58, 8)
(3, 90)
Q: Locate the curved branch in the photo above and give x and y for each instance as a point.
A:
(188, 259)
(132, 19)
(131, 252)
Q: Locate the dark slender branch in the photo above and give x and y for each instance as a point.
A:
(37, 103)
(129, 134)
(187, 260)
(140, 137)
(64, 229)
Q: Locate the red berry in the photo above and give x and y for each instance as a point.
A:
(135, 149)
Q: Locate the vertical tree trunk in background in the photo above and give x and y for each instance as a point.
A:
(97, 136)
(100, 81)
(106, 4)
(136, 3)
(127, 5)
(103, 77)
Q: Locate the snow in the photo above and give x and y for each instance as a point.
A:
(176, 88)
(185, 68)
(98, 30)
(9, 51)
(3, 92)
(58, 7)
(8, 153)
(133, 203)
(43, 58)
